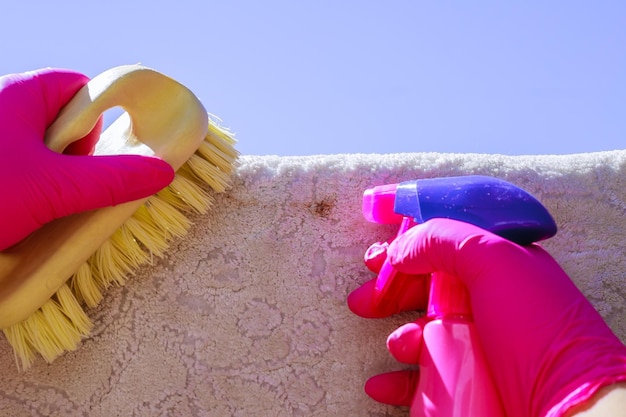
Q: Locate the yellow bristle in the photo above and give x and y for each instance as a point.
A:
(218, 151)
(146, 232)
(191, 194)
(22, 348)
(109, 265)
(73, 311)
(125, 241)
(86, 288)
(226, 137)
(50, 331)
(58, 326)
(168, 196)
(167, 218)
(207, 173)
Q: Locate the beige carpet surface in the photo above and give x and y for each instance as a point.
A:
(247, 315)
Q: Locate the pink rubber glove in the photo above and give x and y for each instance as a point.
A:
(547, 347)
(40, 185)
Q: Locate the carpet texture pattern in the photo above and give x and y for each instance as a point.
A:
(247, 316)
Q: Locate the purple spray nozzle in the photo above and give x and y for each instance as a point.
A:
(490, 203)
(493, 204)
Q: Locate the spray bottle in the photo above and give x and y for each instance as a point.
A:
(455, 380)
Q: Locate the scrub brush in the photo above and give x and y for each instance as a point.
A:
(46, 279)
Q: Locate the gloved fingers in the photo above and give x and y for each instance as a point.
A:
(454, 247)
(414, 296)
(81, 183)
(58, 87)
(32, 100)
(393, 388)
(405, 343)
(60, 185)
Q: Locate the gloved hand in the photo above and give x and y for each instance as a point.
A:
(547, 347)
(40, 185)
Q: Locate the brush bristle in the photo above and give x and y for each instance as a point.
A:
(61, 323)
(58, 326)
(86, 289)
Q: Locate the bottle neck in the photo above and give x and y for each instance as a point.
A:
(448, 298)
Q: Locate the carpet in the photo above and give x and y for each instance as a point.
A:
(247, 316)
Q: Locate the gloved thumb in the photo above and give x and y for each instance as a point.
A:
(82, 183)
(454, 247)
(57, 185)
